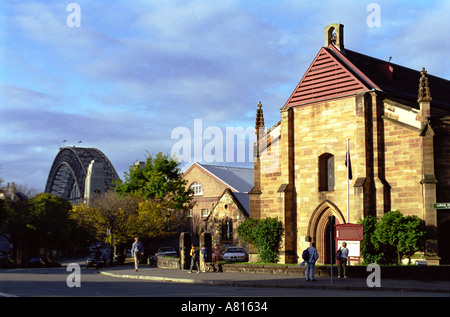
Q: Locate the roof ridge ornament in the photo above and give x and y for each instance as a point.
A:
(259, 117)
(424, 89)
(334, 35)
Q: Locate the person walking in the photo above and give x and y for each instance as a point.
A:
(204, 256)
(342, 258)
(136, 251)
(311, 262)
(194, 258)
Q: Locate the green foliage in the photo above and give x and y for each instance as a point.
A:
(245, 230)
(388, 239)
(42, 222)
(265, 234)
(49, 219)
(369, 252)
(159, 178)
(108, 211)
(126, 216)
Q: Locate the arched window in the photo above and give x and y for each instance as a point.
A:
(326, 172)
(227, 230)
(197, 188)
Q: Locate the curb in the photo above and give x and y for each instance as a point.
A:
(262, 285)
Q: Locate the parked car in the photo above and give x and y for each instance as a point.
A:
(43, 262)
(237, 254)
(36, 262)
(167, 251)
(5, 261)
(95, 260)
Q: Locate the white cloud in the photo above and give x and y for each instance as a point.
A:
(133, 72)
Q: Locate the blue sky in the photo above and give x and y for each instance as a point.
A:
(135, 70)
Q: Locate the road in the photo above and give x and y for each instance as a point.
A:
(52, 282)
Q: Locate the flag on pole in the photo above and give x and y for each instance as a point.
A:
(348, 164)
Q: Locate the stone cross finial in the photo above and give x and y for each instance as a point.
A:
(424, 89)
(259, 117)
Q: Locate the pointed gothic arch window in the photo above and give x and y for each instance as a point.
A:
(326, 172)
(227, 230)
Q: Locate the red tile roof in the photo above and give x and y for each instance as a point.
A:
(335, 74)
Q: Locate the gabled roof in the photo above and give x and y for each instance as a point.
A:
(334, 74)
(399, 82)
(238, 179)
(244, 200)
(326, 78)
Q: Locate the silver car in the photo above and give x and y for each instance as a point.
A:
(237, 254)
(168, 252)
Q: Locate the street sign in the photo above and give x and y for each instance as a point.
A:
(440, 206)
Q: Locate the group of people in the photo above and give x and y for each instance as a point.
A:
(195, 258)
(137, 250)
(310, 256)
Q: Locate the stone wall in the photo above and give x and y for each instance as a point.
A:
(168, 263)
(415, 272)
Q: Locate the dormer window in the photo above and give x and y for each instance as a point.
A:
(197, 188)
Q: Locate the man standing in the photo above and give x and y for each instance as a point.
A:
(136, 251)
(311, 263)
(195, 259)
(342, 259)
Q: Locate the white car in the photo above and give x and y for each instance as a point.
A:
(237, 254)
(167, 251)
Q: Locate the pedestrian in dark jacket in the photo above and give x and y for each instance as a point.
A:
(311, 263)
(195, 258)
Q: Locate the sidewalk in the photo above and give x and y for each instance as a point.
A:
(272, 280)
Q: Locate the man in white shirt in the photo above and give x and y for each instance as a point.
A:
(343, 260)
(136, 250)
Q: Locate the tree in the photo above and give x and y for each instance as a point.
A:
(108, 211)
(154, 219)
(50, 223)
(389, 239)
(369, 252)
(398, 235)
(265, 234)
(126, 216)
(159, 178)
(40, 223)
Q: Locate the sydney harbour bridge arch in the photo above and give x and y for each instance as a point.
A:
(75, 170)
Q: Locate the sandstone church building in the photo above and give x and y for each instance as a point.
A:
(397, 123)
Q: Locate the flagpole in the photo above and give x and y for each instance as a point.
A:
(348, 181)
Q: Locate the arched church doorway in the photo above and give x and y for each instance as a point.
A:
(319, 229)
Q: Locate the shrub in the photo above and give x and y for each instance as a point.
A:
(388, 239)
(265, 234)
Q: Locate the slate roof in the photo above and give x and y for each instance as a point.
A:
(401, 82)
(244, 200)
(238, 178)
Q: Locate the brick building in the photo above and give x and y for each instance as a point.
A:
(397, 121)
(221, 200)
